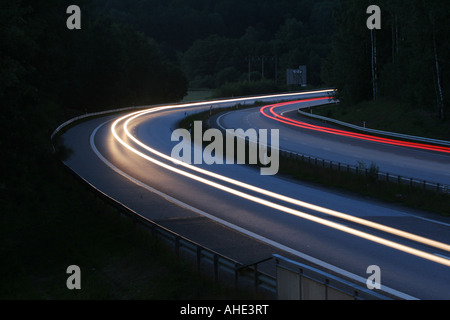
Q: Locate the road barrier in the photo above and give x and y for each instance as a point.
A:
(374, 131)
(298, 281)
(224, 102)
(372, 171)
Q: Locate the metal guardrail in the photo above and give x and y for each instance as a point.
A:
(216, 102)
(374, 131)
(362, 169)
(90, 115)
(298, 281)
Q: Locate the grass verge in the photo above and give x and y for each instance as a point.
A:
(198, 95)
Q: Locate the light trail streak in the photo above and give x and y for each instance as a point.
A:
(361, 234)
(273, 115)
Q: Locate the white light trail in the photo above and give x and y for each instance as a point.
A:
(413, 237)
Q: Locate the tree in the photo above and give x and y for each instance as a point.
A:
(348, 66)
(409, 54)
(438, 16)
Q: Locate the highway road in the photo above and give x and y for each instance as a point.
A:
(242, 214)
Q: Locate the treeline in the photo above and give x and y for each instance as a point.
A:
(149, 51)
(407, 60)
(106, 64)
(234, 41)
(49, 74)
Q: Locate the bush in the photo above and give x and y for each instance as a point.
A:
(245, 88)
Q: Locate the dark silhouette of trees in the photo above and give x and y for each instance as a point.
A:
(412, 53)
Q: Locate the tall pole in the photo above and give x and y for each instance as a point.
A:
(249, 68)
(374, 63)
(262, 67)
(438, 78)
(276, 69)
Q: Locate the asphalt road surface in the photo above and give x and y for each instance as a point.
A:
(235, 210)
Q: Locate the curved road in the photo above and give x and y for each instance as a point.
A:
(236, 211)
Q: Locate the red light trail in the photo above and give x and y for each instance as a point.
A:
(272, 115)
